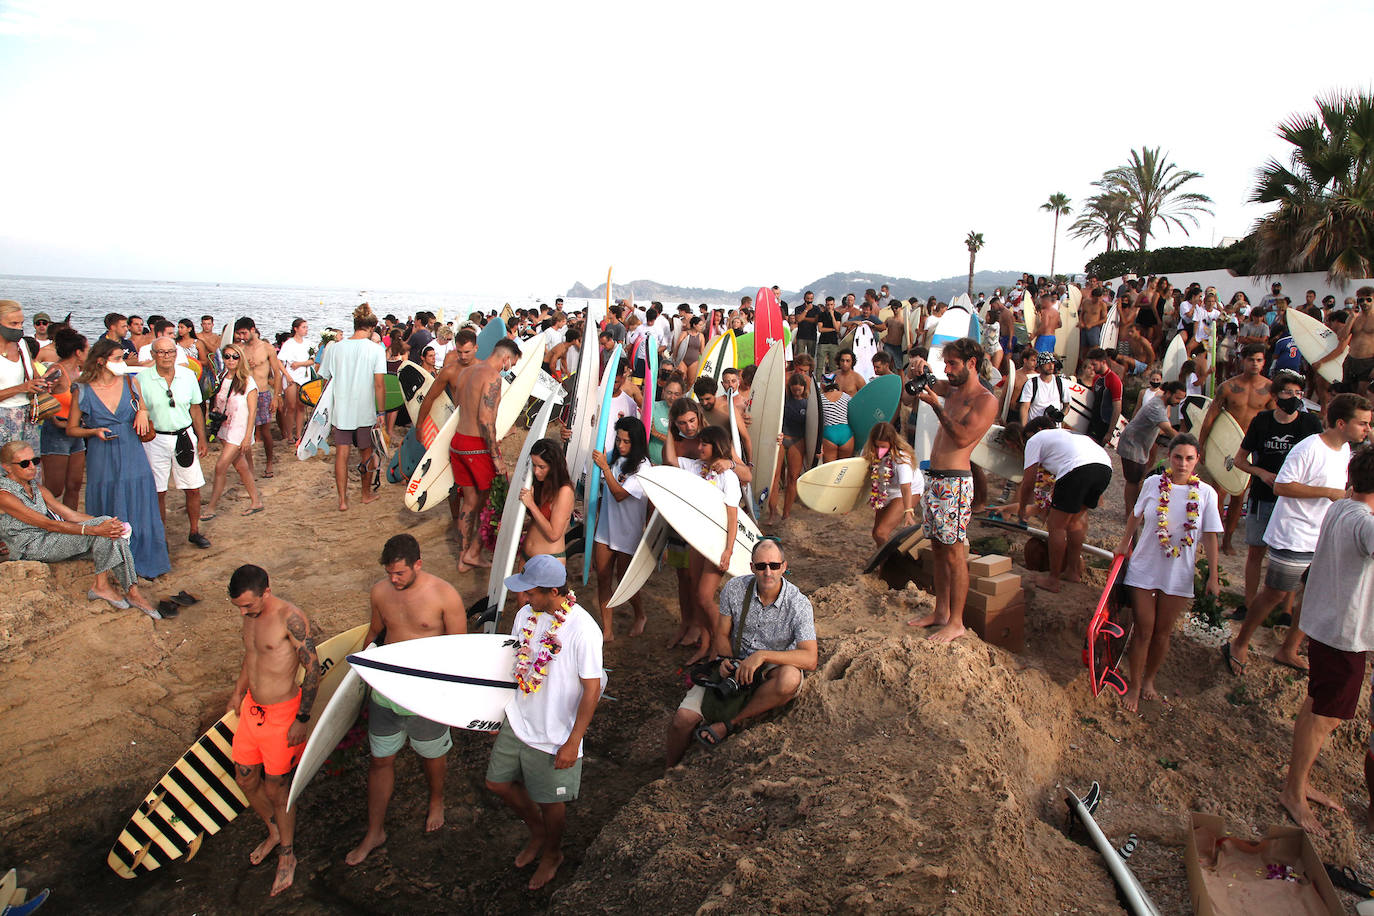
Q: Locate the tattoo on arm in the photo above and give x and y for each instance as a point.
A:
(945, 421)
(486, 422)
(308, 657)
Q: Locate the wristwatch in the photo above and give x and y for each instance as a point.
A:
(303, 717)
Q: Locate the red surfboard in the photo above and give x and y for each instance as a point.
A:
(768, 323)
(1109, 633)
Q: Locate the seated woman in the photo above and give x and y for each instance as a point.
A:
(35, 525)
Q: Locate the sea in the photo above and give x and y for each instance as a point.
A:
(272, 308)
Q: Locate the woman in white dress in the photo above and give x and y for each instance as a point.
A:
(1175, 508)
(620, 523)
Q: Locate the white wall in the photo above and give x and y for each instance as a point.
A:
(1295, 286)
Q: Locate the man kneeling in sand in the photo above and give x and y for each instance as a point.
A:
(408, 604)
(765, 647)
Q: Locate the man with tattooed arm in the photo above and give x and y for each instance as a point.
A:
(274, 712)
(475, 450)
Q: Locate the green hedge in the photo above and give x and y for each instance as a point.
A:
(1239, 257)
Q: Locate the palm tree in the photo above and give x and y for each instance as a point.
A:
(974, 241)
(1104, 216)
(1325, 217)
(1152, 187)
(1058, 204)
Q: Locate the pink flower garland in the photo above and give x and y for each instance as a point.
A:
(882, 477)
(1190, 521)
(529, 675)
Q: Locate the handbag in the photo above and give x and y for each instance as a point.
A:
(151, 434)
(42, 405)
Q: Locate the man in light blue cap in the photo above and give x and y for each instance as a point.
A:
(536, 763)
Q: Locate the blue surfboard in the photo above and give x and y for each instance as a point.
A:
(486, 340)
(603, 423)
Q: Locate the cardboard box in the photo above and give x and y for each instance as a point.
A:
(1236, 889)
(916, 538)
(982, 601)
(1004, 627)
(997, 586)
(990, 565)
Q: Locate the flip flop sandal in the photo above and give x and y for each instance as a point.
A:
(708, 738)
(168, 608)
(184, 598)
(1233, 664)
(1347, 880)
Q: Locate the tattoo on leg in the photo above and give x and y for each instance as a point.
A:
(284, 851)
(245, 771)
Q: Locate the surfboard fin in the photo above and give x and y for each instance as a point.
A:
(194, 847)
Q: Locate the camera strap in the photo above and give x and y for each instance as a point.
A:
(738, 635)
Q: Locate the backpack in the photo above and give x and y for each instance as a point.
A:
(1058, 380)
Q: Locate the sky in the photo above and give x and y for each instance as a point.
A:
(511, 149)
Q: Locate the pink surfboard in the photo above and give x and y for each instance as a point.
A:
(767, 323)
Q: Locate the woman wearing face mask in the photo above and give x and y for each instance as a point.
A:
(549, 502)
(896, 481)
(1173, 510)
(620, 524)
(18, 381)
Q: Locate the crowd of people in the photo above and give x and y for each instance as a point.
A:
(113, 424)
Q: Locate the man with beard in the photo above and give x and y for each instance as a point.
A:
(270, 378)
(947, 501)
(408, 604)
(1242, 396)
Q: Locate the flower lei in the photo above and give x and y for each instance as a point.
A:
(489, 520)
(529, 675)
(882, 477)
(1189, 524)
(1044, 488)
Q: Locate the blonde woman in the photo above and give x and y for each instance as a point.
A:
(236, 391)
(896, 481)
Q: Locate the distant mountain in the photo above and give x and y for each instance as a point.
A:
(836, 284)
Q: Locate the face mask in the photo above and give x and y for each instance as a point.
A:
(882, 451)
(12, 335)
(1154, 384)
(1290, 405)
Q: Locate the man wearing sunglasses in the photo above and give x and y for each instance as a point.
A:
(171, 397)
(1359, 344)
(765, 648)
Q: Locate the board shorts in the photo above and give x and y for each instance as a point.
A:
(1081, 488)
(264, 408)
(1133, 471)
(1090, 337)
(1334, 679)
(261, 735)
(357, 438)
(677, 553)
(947, 505)
(1005, 341)
(1286, 569)
(894, 351)
(1356, 370)
(1257, 522)
(388, 727)
(1044, 343)
(161, 454)
(838, 434)
(512, 760)
(471, 462)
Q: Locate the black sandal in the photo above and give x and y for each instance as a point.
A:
(708, 738)
(185, 598)
(1347, 880)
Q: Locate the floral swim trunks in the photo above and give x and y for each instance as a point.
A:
(947, 505)
(264, 408)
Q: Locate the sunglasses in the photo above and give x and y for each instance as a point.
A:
(231, 356)
(40, 323)
(774, 565)
(27, 462)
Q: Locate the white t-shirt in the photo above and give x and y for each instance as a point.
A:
(620, 524)
(554, 336)
(1338, 609)
(663, 330)
(1045, 394)
(904, 473)
(1194, 386)
(13, 372)
(544, 719)
(622, 405)
(441, 352)
(1149, 567)
(352, 366)
(294, 351)
(1060, 451)
(727, 483)
(1295, 523)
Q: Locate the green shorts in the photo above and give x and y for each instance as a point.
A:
(677, 553)
(388, 728)
(512, 760)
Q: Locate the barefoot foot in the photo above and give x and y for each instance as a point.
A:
(1131, 699)
(286, 870)
(637, 629)
(1298, 810)
(1326, 801)
(1048, 583)
(361, 851)
(435, 819)
(548, 867)
(531, 851)
(947, 633)
(930, 620)
(273, 837)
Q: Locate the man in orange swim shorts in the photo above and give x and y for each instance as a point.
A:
(273, 711)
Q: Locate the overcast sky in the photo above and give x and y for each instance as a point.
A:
(510, 149)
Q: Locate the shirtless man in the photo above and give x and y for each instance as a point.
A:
(947, 500)
(475, 452)
(273, 711)
(716, 411)
(270, 378)
(207, 333)
(1092, 317)
(894, 335)
(1242, 396)
(140, 335)
(849, 381)
(408, 604)
(1046, 323)
(1357, 349)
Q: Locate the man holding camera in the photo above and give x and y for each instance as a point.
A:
(1044, 390)
(765, 637)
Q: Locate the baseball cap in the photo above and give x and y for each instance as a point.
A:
(42, 316)
(541, 571)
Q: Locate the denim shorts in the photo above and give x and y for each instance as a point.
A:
(56, 442)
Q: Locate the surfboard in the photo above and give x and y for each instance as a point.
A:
(993, 453)
(582, 410)
(604, 422)
(20, 905)
(876, 402)
(644, 560)
(315, 438)
(813, 424)
(337, 717)
(392, 395)
(191, 363)
(1219, 456)
(309, 393)
(512, 525)
(1315, 340)
(1111, 331)
(833, 488)
(952, 325)
(901, 540)
(198, 795)
(770, 393)
(415, 384)
(646, 409)
(1175, 355)
(768, 324)
(488, 336)
(433, 478)
(720, 353)
(1040, 533)
(696, 511)
(464, 680)
(1109, 633)
(660, 421)
(1066, 337)
(1078, 411)
(865, 348)
(8, 885)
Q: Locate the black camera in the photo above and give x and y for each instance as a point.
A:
(918, 383)
(1054, 413)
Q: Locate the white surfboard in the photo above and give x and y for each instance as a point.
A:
(1175, 355)
(719, 356)
(433, 477)
(747, 489)
(834, 487)
(1315, 340)
(464, 680)
(993, 453)
(697, 512)
(644, 561)
(338, 716)
(1066, 337)
(418, 381)
(1111, 331)
(582, 421)
(865, 347)
(1078, 411)
(1223, 441)
(813, 424)
(953, 325)
(315, 437)
(770, 394)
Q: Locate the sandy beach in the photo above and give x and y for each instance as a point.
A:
(905, 778)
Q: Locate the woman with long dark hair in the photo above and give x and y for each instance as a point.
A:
(620, 524)
(549, 502)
